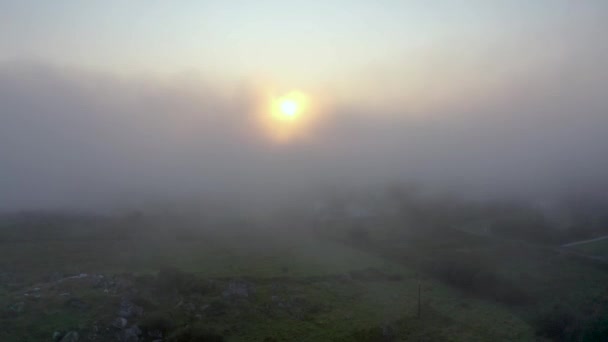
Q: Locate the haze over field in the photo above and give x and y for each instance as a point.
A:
(149, 99)
(320, 170)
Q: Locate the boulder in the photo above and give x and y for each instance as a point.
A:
(71, 336)
(120, 323)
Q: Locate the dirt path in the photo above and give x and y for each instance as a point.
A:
(585, 241)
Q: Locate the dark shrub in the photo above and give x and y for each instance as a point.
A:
(143, 302)
(173, 279)
(359, 235)
(558, 325)
(520, 222)
(373, 274)
(471, 273)
(375, 334)
(216, 308)
(195, 333)
(596, 330)
(157, 322)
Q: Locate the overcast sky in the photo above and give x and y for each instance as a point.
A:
(327, 44)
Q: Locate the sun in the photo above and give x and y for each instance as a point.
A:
(290, 106)
(286, 116)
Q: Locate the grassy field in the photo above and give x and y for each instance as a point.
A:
(293, 285)
(348, 291)
(255, 255)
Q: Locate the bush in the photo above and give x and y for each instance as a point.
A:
(558, 325)
(173, 279)
(596, 330)
(375, 334)
(195, 333)
(471, 273)
(359, 235)
(157, 322)
(523, 223)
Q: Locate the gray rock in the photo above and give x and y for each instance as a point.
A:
(215, 309)
(388, 333)
(77, 303)
(99, 281)
(122, 284)
(72, 336)
(128, 309)
(129, 335)
(239, 289)
(344, 278)
(189, 307)
(120, 323)
(17, 307)
(78, 276)
(57, 336)
(55, 277)
(135, 330)
(157, 335)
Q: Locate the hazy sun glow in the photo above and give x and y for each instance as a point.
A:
(286, 116)
(289, 107)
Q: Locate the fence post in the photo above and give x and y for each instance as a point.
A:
(419, 297)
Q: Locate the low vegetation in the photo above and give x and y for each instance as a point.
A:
(373, 279)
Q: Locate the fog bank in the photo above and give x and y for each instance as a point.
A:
(73, 138)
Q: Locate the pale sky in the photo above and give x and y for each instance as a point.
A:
(311, 43)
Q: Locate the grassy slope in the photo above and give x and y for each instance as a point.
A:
(354, 305)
